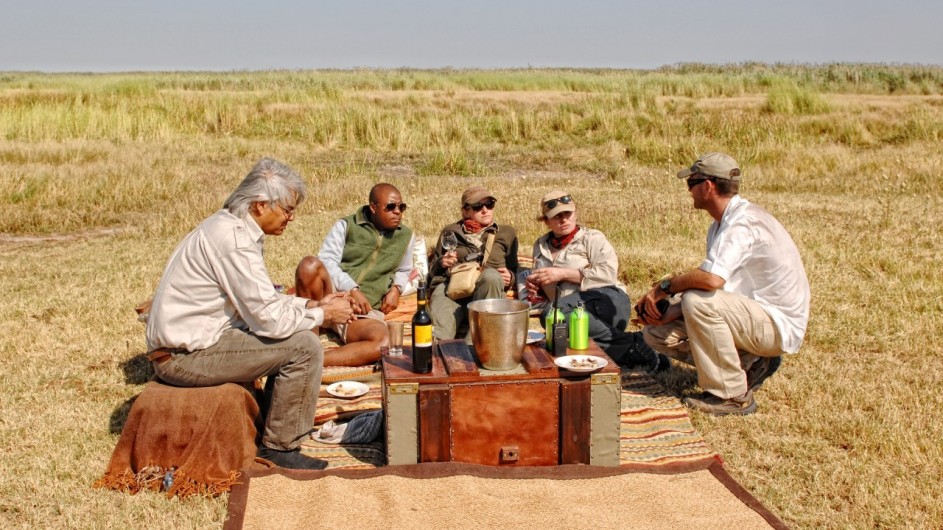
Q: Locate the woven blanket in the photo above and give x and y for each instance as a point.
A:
(656, 430)
(451, 495)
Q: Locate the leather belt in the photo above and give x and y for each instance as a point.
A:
(162, 355)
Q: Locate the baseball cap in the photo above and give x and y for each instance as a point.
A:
(717, 165)
(475, 194)
(561, 201)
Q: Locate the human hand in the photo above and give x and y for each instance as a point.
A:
(390, 301)
(651, 308)
(544, 276)
(337, 294)
(448, 259)
(337, 310)
(359, 302)
(506, 276)
(670, 313)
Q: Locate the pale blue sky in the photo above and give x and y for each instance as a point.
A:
(123, 35)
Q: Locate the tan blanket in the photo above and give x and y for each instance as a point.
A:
(204, 435)
(452, 495)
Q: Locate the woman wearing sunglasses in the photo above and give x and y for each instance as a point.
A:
(585, 266)
(470, 243)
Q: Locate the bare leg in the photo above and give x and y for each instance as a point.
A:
(365, 337)
(312, 280)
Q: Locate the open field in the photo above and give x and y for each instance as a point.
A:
(101, 175)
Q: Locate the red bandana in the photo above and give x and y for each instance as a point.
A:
(472, 226)
(560, 242)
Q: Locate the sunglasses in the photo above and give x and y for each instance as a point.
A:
(489, 204)
(391, 206)
(552, 203)
(695, 182)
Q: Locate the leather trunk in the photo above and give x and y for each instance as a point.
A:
(535, 415)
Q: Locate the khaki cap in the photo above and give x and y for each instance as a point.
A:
(718, 165)
(548, 212)
(475, 194)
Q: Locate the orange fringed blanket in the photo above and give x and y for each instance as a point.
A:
(206, 435)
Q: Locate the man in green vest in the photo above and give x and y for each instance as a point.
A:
(367, 254)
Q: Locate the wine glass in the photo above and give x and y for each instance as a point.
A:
(449, 242)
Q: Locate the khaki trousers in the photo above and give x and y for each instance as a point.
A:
(722, 334)
(448, 315)
(293, 365)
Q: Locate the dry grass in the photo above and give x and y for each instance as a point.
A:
(101, 176)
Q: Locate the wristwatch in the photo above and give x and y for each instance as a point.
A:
(665, 285)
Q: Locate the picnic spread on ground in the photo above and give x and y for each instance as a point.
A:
(655, 438)
(478, 384)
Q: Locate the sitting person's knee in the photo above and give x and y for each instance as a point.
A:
(381, 338)
(306, 345)
(697, 301)
(369, 330)
(309, 266)
(491, 277)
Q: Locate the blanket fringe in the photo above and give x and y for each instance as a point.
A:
(151, 479)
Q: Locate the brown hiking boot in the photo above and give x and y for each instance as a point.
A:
(711, 404)
(761, 369)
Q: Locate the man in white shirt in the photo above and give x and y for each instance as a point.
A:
(743, 307)
(216, 317)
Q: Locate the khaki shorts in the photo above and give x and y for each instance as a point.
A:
(341, 329)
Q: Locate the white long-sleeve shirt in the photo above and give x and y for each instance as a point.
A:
(216, 280)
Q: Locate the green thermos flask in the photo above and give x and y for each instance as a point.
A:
(579, 328)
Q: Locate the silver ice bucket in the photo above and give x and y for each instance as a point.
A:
(499, 331)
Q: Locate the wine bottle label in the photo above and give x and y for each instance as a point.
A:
(422, 335)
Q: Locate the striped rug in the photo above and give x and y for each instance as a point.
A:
(656, 431)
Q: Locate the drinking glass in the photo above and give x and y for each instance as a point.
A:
(396, 338)
(449, 241)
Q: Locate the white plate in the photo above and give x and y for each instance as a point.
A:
(534, 336)
(347, 389)
(580, 363)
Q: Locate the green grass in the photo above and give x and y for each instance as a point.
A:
(101, 175)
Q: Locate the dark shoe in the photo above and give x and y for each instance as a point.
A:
(640, 356)
(761, 369)
(659, 364)
(290, 459)
(711, 404)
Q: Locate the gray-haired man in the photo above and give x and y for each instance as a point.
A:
(216, 317)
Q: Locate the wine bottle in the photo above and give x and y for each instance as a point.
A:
(422, 334)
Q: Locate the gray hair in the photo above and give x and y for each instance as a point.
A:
(268, 181)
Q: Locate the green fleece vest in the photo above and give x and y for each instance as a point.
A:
(371, 258)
